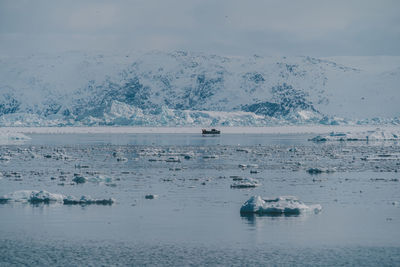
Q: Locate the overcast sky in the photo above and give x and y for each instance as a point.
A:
(229, 27)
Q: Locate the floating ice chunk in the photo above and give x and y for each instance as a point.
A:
(376, 135)
(31, 196)
(284, 205)
(79, 179)
(319, 170)
(100, 179)
(7, 138)
(87, 200)
(36, 196)
(236, 177)
(173, 159)
(243, 150)
(5, 158)
(210, 156)
(246, 183)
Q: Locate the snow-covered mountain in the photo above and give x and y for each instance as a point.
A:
(182, 88)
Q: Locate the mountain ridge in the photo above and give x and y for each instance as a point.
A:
(183, 88)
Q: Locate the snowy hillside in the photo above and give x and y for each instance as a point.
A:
(181, 88)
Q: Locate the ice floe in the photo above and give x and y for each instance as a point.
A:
(283, 205)
(246, 183)
(42, 196)
(8, 138)
(319, 170)
(374, 135)
(31, 196)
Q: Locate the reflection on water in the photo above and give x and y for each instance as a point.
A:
(262, 220)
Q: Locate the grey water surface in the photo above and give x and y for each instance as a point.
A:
(194, 218)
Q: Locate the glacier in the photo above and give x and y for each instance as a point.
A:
(183, 88)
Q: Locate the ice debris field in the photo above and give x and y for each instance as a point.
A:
(115, 167)
(144, 193)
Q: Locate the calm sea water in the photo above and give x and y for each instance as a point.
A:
(195, 219)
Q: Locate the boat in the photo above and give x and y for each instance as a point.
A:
(210, 132)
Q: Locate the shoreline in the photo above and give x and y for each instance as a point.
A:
(194, 130)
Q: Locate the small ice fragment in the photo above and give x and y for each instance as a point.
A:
(173, 159)
(79, 179)
(243, 150)
(314, 171)
(210, 156)
(100, 179)
(87, 200)
(236, 178)
(284, 205)
(9, 138)
(319, 170)
(5, 158)
(246, 183)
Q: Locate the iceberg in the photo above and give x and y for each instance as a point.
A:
(283, 205)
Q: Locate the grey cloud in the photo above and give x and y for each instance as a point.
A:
(309, 27)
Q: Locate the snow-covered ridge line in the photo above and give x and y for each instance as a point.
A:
(316, 129)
